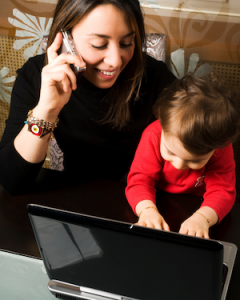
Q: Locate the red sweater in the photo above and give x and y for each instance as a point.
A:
(215, 182)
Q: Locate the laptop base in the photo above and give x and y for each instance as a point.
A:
(67, 291)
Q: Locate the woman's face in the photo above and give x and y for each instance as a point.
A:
(105, 39)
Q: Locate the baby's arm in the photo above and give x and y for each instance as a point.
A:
(149, 215)
(200, 222)
(220, 194)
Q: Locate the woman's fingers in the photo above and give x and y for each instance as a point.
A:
(67, 59)
(63, 58)
(59, 74)
(52, 50)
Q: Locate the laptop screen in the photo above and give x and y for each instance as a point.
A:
(123, 259)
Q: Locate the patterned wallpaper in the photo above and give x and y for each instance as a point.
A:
(193, 38)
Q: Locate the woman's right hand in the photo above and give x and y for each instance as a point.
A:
(58, 81)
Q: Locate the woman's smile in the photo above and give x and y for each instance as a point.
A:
(106, 74)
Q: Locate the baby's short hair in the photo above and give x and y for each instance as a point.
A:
(201, 113)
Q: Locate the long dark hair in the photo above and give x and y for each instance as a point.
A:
(201, 113)
(69, 12)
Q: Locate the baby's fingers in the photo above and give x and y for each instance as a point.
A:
(154, 224)
(183, 230)
(147, 223)
(203, 234)
(141, 223)
(166, 227)
(193, 231)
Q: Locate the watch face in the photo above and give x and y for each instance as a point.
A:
(37, 130)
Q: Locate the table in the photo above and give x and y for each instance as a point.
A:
(23, 278)
(106, 199)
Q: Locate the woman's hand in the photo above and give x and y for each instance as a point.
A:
(58, 81)
(149, 216)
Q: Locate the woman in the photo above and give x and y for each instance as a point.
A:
(101, 113)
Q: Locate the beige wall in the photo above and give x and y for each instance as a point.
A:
(214, 38)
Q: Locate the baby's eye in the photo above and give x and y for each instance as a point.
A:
(169, 152)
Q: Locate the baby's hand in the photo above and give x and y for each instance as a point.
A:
(150, 217)
(196, 225)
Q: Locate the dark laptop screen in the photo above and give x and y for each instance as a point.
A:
(128, 260)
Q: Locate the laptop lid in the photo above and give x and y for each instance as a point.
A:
(100, 258)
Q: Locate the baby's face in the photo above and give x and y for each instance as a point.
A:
(173, 151)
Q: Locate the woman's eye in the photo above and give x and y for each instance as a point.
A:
(169, 152)
(126, 45)
(99, 47)
(104, 46)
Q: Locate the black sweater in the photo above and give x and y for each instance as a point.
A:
(91, 149)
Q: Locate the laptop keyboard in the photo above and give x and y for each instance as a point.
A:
(65, 297)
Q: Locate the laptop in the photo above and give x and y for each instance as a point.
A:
(92, 258)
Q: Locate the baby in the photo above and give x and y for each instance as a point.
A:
(187, 150)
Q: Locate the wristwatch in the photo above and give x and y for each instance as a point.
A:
(37, 130)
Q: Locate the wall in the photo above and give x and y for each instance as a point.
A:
(214, 37)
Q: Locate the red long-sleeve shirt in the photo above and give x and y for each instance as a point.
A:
(215, 181)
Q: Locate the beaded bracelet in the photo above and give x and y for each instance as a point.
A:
(40, 127)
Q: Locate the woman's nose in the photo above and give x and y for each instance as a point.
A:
(113, 57)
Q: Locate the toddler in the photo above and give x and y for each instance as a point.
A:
(187, 150)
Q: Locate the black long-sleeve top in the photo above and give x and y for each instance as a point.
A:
(91, 149)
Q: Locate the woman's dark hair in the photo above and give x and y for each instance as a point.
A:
(69, 12)
(201, 113)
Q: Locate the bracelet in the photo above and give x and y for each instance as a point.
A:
(196, 212)
(139, 215)
(40, 127)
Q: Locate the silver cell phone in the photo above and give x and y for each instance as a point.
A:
(69, 47)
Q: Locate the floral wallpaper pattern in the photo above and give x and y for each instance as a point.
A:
(33, 30)
(177, 65)
(4, 96)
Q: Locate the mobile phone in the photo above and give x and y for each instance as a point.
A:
(69, 47)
